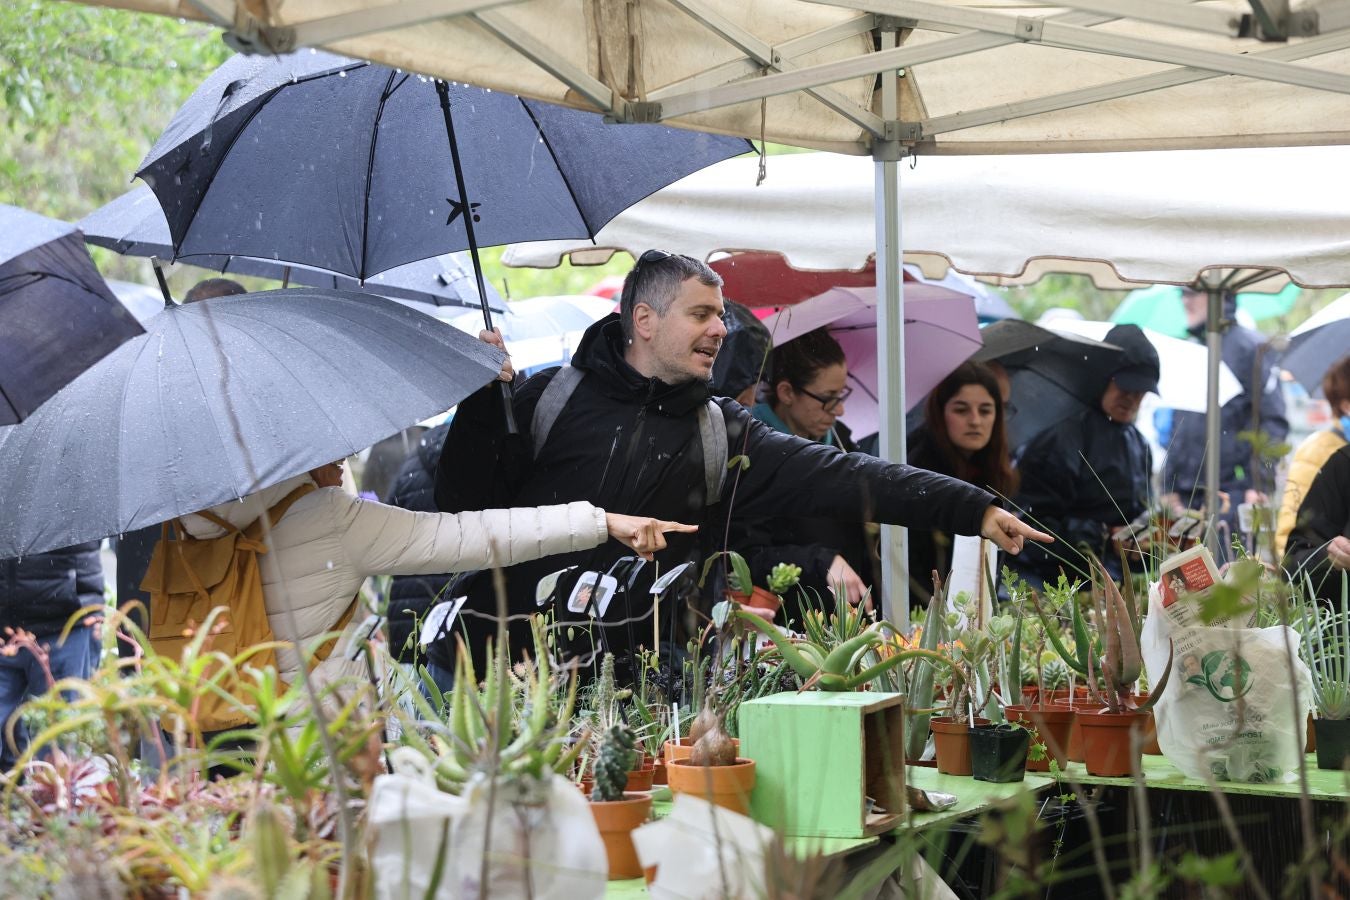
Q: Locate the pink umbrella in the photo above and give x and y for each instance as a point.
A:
(941, 332)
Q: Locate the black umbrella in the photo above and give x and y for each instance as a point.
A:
(220, 399)
(57, 316)
(134, 225)
(357, 168)
(1053, 375)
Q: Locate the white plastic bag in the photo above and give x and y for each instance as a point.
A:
(697, 845)
(412, 824)
(1204, 727)
(544, 846)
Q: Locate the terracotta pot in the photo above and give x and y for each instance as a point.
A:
(641, 779)
(1075, 748)
(684, 747)
(659, 772)
(616, 820)
(1052, 726)
(585, 784)
(1311, 746)
(1107, 741)
(726, 786)
(952, 736)
(761, 598)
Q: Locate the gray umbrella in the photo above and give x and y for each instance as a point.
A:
(134, 225)
(220, 399)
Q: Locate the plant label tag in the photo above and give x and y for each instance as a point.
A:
(544, 588)
(592, 587)
(439, 619)
(364, 634)
(668, 579)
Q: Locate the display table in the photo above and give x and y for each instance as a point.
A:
(1323, 784)
(973, 798)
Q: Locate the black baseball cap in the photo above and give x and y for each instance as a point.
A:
(1142, 369)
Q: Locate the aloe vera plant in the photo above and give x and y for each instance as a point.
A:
(1326, 650)
(838, 667)
(1123, 661)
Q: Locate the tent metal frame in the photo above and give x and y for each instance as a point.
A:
(766, 70)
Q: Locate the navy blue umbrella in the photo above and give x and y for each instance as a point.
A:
(345, 165)
(57, 316)
(134, 225)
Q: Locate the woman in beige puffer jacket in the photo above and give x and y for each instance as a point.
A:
(328, 542)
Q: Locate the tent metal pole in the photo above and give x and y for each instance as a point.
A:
(1214, 340)
(891, 341)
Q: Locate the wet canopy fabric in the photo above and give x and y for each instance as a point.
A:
(980, 76)
(219, 399)
(1150, 217)
(57, 314)
(134, 225)
(343, 165)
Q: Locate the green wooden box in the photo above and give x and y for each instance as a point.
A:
(820, 755)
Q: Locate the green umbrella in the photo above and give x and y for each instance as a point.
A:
(1159, 307)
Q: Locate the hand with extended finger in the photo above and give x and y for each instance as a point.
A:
(644, 535)
(494, 338)
(1008, 531)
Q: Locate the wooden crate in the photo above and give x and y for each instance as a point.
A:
(819, 755)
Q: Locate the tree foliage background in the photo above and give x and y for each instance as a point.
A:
(85, 91)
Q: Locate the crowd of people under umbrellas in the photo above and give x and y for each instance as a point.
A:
(622, 456)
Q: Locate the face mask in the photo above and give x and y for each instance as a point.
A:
(1345, 425)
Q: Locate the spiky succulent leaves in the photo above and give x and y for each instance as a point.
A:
(1156, 690)
(921, 676)
(604, 694)
(1074, 660)
(1131, 605)
(614, 758)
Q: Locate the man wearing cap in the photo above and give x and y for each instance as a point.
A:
(1086, 478)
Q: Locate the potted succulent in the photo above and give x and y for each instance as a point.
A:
(617, 813)
(1110, 746)
(1049, 725)
(712, 770)
(1326, 650)
(741, 585)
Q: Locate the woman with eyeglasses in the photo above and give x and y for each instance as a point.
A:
(964, 435)
(805, 395)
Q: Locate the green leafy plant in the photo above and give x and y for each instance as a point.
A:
(1326, 649)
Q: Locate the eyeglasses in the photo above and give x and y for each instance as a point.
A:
(829, 402)
(653, 256)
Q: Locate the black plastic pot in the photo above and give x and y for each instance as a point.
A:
(1333, 742)
(998, 752)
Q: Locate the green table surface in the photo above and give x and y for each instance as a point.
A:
(972, 798)
(1323, 784)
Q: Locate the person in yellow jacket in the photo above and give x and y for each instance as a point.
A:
(1315, 450)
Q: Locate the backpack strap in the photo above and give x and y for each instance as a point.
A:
(254, 531)
(712, 431)
(559, 390)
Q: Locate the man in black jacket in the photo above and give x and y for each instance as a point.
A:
(1085, 478)
(38, 594)
(631, 438)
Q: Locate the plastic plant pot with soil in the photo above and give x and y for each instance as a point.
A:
(998, 753)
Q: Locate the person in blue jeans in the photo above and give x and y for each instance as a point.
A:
(38, 594)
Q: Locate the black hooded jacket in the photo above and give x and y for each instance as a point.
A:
(1080, 479)
(630, 444)
(40, 592)
(411, 596)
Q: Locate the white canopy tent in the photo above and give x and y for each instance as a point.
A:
(957, 76)
(1121, 217)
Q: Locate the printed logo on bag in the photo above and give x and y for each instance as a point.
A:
(1223, 673)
